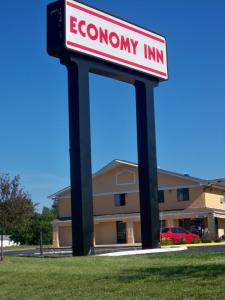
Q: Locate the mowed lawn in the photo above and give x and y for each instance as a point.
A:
(165, 276)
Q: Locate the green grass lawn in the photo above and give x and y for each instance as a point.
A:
(166, 276)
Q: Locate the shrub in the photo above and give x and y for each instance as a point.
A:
(196, 241)
(166, 242)
(218, 240)
(206, 239)
(181, 241)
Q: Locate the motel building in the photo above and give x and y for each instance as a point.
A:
(185, 201)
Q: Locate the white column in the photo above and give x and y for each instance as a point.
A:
(55, 240)
(212, 226)
(130, 233)
(169, 222)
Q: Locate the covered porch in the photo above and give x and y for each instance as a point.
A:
(205, 221)
(126, 228)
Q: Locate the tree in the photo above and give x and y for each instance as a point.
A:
(16, 207)
(55, 209)
(41, 223)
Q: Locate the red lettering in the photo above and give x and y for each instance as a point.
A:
(151, 53)
(159, 56)
(145, 50)
(73, 22)
(114, 43)
(110, 38)
(125, 44)
(134, 44)
(80, 25)
(103, 35)
(92, 35)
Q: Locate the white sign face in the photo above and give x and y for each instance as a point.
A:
(98, 34)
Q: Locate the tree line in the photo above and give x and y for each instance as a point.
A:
(19, 217)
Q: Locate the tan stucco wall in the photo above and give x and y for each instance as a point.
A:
(105, 233)
(104, 205)
(65, 236)
(113, 180)
(64, 208)
(196, 200)
(171, 180)
(213, 199)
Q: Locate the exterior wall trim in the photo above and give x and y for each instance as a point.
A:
(136, 216)
(126, 183)
(165, 188)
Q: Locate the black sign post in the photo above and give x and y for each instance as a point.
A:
(80, 158)
(147, 166)
(79, 66)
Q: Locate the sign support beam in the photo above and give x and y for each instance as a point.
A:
(80, 158)
(147, 165)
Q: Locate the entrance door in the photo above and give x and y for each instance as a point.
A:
(121, 232)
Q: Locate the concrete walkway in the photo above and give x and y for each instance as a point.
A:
(147, 251)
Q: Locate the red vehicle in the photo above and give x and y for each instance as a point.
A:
(177, 234)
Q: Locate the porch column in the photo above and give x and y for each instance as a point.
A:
(94, 239)
(130, 233)
(55, 240)
(212, 226)
(169, 222)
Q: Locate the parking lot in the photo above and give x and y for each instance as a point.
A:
(59, 252)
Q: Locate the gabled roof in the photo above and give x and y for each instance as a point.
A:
(220, 183)
(113, 164)
(117, 162)
(53, 196)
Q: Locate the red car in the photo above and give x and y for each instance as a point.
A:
(177, 234)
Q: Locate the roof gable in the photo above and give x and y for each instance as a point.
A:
(116, 163)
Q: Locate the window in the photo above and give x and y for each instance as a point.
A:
(178, 230)
(120, 199)
(160, 196)
(183, 194)
(165, 230)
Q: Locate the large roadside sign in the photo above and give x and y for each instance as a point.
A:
(87, 40)
(101, 35)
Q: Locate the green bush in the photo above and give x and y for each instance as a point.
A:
(218, 240)
(206, 239)
(166, 242)
(181, 241)
(196, 241)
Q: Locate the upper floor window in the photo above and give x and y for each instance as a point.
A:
(161, 196)
(183, 194)
(120, 199)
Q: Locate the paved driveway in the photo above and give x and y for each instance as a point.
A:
(214, 248)
(101, 250)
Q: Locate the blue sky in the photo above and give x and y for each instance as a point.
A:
(190, 107)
